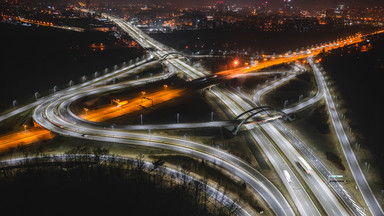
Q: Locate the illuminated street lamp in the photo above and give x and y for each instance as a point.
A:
(14, 102)
(142, 95)
(86, 111)
(25, 127)
(165, 87)
(236, 63)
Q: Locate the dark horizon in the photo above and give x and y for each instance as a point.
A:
(274, 4)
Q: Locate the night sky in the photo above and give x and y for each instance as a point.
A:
(274, 4)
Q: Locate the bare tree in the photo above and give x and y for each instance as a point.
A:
(205, 191)
(139, 167)
(156, 169)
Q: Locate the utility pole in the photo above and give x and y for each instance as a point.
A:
(36, 95)
(300, 97)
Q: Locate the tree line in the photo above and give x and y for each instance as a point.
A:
(91, 181)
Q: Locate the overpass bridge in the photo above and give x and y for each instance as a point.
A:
(258, 115)
(165, 56)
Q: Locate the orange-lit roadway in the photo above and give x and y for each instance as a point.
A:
(285, 58)
(24, 137)
(113, 111)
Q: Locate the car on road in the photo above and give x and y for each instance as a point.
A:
(287, 176)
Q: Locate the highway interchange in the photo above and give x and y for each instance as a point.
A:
(76, 127)
(54, 113)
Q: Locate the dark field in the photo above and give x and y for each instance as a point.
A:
(37, 58)
(357, 77)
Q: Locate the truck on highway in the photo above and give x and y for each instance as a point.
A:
(304, 165)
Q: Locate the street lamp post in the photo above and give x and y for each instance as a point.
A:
(37, 95)
(285, 103)
(236, 63)
(142, 96)
(300, 97)
(14, 103)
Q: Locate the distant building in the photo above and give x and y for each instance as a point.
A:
(339, 8)
(287, 5)
(341, 11)
(264, 7)
(330, 12)
(221, 7)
